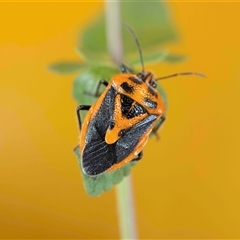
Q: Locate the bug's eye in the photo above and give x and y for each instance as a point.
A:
(153, 84)
(111, 125)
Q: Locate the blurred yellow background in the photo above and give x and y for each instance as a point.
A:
(187, 184)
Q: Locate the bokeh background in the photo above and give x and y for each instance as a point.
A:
(187, 185)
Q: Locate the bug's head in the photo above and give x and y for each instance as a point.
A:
(148, 78)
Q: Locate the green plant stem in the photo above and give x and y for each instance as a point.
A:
(114, 30)
(125, 202)
(126, 213)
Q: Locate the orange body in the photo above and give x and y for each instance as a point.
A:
(135, 99)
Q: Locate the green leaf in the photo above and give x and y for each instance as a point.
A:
(86, 83)
(156, 57)
(95, 186)
(174, 58)
(150, 21)
(66, 67)
(93, 44)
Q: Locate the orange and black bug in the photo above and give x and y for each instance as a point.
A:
(118, 124)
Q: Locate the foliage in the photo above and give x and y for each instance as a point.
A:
(152, 24)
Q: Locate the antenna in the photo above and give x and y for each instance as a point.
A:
(138, 45)
(181, 74)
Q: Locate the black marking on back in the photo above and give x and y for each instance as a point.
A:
(135, 80)
(122, 132)
(136, 110)
(131, 109)
(126, 104)
(127, 88)
(111, 125)
(150, 103)
(152, 91)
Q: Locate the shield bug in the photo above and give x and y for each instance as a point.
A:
(117, 126)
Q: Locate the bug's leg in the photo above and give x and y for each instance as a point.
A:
(81, 108)
(138, 157)
(97, 93)
(125, 69)
(158, 125)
